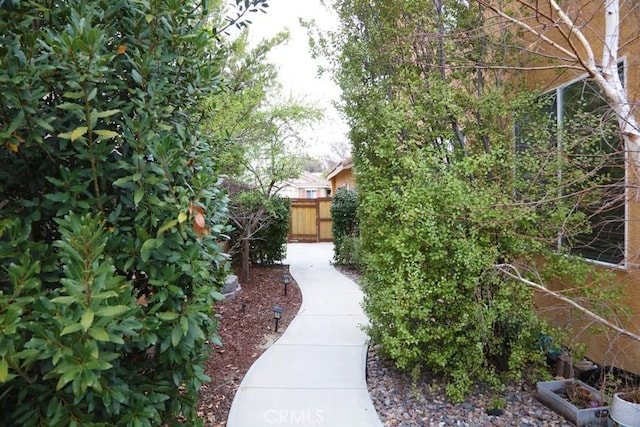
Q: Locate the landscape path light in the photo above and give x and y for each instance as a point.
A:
(286, 279)
(277, 314)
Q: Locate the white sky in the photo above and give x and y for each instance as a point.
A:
(297, 70)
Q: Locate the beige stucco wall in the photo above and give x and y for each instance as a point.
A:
(345, 178)
(605, 348)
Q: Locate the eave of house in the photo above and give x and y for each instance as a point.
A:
(343, 165)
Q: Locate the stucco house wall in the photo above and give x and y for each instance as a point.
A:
(604, 347)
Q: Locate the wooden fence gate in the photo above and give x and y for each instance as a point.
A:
(310, 220)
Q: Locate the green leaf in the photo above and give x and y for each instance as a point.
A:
(43, 124)
(78, 132)
(69, 106)
(103, 114)
(87, 319)
(17, 122)
(217, 296)
(167, 225)
(106, 133)
(167, 316)
(68, 376)
(104, 295)
(116, 339)
(184, 325)
(73, 95)
(145, 250)
(111, 311)
(57, 197)
(64, 300)
(136, 77)
(92, 94)
(176, 335)
(137, 196)
(69, 329)
(4, 370)
(216, 340)
(123, 182)
(99, 334)
(99, 365)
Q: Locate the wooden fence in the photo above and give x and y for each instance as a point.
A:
(310, 220)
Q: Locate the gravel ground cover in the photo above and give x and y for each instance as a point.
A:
(402, 403)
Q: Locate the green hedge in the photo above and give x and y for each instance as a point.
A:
(110, 212)
(344, 217)
(430, 291)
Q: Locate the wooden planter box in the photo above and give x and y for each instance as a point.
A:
(549, 393)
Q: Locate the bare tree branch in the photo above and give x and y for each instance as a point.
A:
(511, 271)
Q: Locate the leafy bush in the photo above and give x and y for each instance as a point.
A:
(449, 194)
(344, 217)
(110, 212)
(430, 290)
(349, 253)
(270, 243)
(259, 220)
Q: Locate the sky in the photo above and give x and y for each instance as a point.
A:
(298, 72)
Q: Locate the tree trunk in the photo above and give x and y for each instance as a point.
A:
(246, 246)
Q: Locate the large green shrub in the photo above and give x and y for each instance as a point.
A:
(270, 243)
(430, 292)
(344, 217)
(443, 197)
(110, 212)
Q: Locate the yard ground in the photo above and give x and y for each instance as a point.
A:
(247, 329)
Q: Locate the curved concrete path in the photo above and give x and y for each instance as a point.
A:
(314, 375)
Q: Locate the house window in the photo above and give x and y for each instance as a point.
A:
(583, 130)
(312, 194)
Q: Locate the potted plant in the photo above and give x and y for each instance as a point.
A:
(578, 402)
(625, 408)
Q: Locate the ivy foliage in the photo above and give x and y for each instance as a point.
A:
(447, 194)
(110, 211)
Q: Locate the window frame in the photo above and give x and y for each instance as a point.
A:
(559, 102)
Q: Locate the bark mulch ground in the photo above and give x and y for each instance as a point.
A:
(247, 329)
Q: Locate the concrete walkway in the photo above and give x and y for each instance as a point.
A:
(314, 375)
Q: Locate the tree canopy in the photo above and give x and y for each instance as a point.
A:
(261, 148)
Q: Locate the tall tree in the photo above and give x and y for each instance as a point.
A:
(262, 146)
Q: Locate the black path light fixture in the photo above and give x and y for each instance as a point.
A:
(277, 314)
(286, 279)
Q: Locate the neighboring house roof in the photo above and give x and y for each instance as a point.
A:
(343, 165)
(308, 180)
